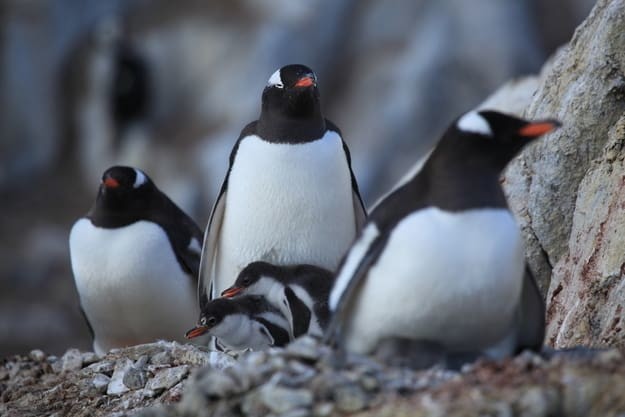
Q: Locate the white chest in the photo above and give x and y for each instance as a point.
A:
(451, 278)
(130, 283)
(287, 204)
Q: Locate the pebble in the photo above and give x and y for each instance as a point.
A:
(216, 384)
(220, 360)
(350, 398)
(100, 382)
(104, 367)
(280, 400)
(37, 355)
(161, 358)
(71, 361)
(305, 347)
(116, 386)
(89, 357)
(167, 378)
(134, 377)
(323, 409)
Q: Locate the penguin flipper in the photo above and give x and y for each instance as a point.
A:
(360, 212)
(340, 310)
(209, 247)
(531, 325)
(300, 314)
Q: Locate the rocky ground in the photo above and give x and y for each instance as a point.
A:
(305, 379)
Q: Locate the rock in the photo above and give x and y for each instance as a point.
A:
(116, 386)
(71, 361)
(134, 378)
(100, 383)
(350, 398)
(567, 189)
(167, 378)
(281, 400)
(37, 355)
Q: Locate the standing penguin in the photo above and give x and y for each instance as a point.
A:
(300, 292)
(441, 260)
(289, 196)
(135, 257)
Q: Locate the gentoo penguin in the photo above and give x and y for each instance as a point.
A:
(289, 196)
(440, 261)
(300, 292)
(135, 258)
(245, 322)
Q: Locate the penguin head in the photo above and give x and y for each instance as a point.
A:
(494, 137)
(292, 91)
(222, 315)
(213, 314)
(123, 188)
(256, 278)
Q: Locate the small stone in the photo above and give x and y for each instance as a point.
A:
(141, 362)
(220, 360)
(100, 382)
(323, 410)
(89, 357)
(280, 400)
(167, 378)
(174, 394)
(134, 377)
(215, 384)
(104, 367)
(71, 361)
(37, 355)
(304, 347)
(161, 358)
(298, 412)
(116, 386)
(350, 398)
(52, 359)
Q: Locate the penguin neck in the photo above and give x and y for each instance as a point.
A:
(278, 127)
(456, 181)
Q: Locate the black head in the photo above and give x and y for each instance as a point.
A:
(292, 92)
(492, 139)
(249, 276)
(124, 189)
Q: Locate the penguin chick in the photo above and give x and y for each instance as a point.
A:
(245, 322)
(300, 292)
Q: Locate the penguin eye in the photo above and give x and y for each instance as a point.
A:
(211, 321)
(246, 281)
(203, 321)
(279, 85)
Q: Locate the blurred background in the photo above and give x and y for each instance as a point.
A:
(167, 86)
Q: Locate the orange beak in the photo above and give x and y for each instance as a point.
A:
(196, 331)
(535, 129)
(231, 292)
(110, 182)
(305, 82)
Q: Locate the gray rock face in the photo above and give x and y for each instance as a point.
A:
(567, 189)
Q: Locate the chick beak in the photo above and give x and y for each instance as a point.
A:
(196, 331)
(231, 292)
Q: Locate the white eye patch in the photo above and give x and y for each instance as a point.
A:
(139, 180)
(474, 123)
(275, 80)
